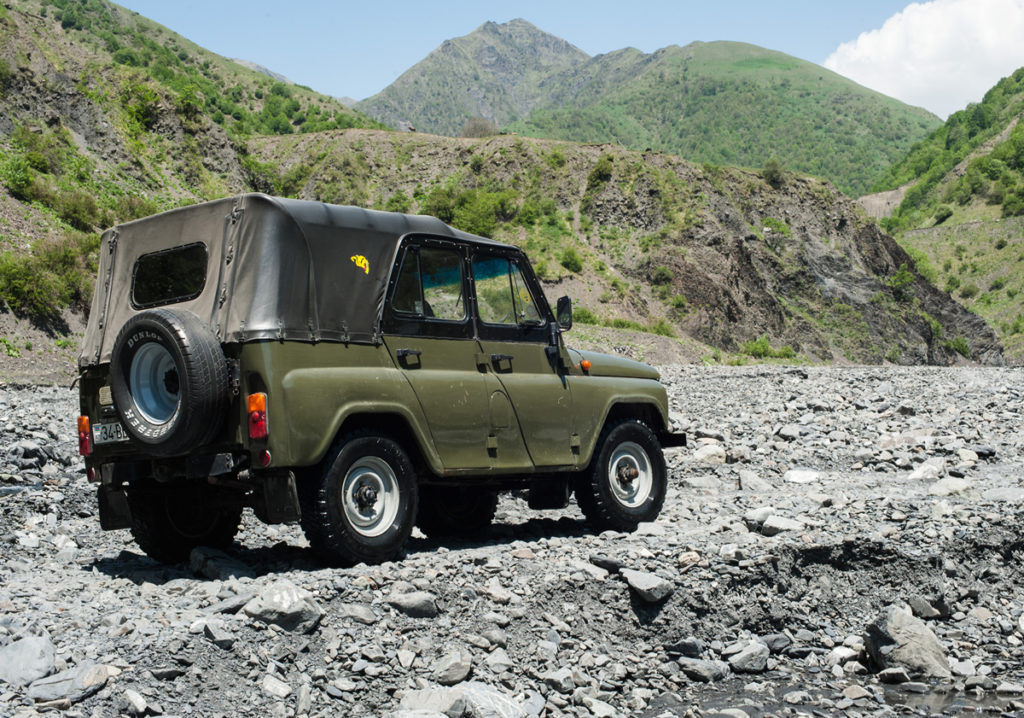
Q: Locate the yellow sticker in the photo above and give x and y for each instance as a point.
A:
(361, 262)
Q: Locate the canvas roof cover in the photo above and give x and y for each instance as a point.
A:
(276, 269)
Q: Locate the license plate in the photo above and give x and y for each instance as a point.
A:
(111, 433)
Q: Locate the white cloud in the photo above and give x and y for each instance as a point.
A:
(939, 55)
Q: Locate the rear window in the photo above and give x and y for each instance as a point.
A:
(169, 276)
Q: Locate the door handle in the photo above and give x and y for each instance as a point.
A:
(498, 358)
(403, 353)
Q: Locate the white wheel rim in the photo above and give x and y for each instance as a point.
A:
(153, 378)
(630, 475)
(370, 496)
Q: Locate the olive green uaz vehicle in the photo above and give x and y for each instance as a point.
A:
(360, 372)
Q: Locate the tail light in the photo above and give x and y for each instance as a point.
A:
(84, 436)
(257, 416)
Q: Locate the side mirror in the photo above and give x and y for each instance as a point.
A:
(563, 313)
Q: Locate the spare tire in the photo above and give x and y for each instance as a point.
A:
(169, 381)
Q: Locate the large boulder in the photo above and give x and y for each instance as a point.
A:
(899, 639)
(286, 605)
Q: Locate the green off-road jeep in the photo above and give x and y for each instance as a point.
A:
(360, 372)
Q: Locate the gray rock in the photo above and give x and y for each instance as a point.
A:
(358, 612)
(73, 684)
(776, 524)
(27, 660)
(303, 700)
(710, 454)
(133, 703)
(452, 668)
(750, 481)
(647, 586)
(218, 635)
(274, 686)
(801, 476)
(753, 658)
(893, 675)
(286, 605)
(1008, 494)
(898, 639)
(704, 671)
(561, 680)
(950, 486)
(468, 699)
(416, 604)
(217, 565)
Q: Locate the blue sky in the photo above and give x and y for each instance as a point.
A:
(356, 49)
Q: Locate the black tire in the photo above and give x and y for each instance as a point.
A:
(362, 505)
(455, 510)
(626, 481)
(169, 381)
(169, 521)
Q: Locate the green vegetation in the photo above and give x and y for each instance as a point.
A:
(761, 348)
(994, 178)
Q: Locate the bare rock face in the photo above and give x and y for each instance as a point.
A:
(899, 639)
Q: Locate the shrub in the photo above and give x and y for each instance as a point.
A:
(571, 260)
(398, 202)
(662, 275)
(478, 127)
(969, 291)
(17, 175)
(79, 209)
(773, 174)
(997, 284)
(582, 315)
(760, 348)
(663, 328)
(943, 213)
(900, 282)
(601, 173)
(476, 163)
(959, 345)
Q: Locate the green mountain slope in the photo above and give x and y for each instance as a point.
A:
(732, 103)
(497, 72)
(962, 197)
(719, 102)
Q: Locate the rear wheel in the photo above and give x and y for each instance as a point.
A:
(626, 481)
(167, 522)
(361, 507)
(455, 510)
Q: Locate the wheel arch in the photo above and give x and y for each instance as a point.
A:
(646, 413)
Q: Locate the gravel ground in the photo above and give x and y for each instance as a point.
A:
(836, 541)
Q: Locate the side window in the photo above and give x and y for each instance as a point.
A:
(501, 293)
(430, 285)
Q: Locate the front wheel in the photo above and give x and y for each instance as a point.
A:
(167, 522)
(626, 481)
(361, 507)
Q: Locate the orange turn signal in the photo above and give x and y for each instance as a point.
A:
(84, 436)
(257, 405)
(585, 365)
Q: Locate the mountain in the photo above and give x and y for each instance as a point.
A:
(105, 116)
(718, 102)
(496, 73)
(956, 201)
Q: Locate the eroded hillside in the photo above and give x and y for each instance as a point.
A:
(651, 241)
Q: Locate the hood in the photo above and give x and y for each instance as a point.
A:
(609, 365)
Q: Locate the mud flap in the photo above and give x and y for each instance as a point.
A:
(114, 511)
(278, 502)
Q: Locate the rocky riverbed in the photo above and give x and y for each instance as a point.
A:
(836, 541)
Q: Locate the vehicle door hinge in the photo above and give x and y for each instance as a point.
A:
(574, 443)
